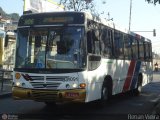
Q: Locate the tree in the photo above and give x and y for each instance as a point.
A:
(153, 1)
(77, 5)
(13, 16)
(82, 5)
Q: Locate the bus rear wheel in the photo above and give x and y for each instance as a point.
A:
(138, 89)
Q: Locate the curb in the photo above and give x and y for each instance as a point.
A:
(4, 95)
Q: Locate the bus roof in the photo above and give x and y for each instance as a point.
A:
(112, 25)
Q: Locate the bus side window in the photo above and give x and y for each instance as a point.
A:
(106, 42)
(147, 51)
(89, 42)
(130, 55)
(118, 42)
(150, 51)
(126, 47)
(141, 50)
(134, 48)
(93, 42)
(96, 42)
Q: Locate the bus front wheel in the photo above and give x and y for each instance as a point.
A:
(105, 94)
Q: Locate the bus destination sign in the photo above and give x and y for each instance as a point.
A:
(49, 19)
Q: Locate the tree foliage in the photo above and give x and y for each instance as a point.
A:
(153, 1)
(78, 5)
(82, 5)
(14, 16)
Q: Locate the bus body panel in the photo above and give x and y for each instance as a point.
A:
(123, 79)
(94, 79)
(35, 86)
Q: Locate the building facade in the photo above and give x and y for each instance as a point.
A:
(7, 27)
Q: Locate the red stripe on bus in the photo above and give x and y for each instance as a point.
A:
(129, 76)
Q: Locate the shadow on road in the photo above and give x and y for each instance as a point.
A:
(87, 111)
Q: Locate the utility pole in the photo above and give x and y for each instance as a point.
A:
(130, 15)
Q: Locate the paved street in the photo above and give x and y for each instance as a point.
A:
(121, 106)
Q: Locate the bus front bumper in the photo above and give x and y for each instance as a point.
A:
(42, 95)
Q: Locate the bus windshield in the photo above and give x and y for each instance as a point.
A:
(51, 48)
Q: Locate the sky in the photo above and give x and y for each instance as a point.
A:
(144, 17)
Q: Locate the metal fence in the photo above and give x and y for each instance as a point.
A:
(5, 77)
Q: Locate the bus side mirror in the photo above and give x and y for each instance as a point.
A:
(6, 41)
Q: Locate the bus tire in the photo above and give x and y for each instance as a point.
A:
(138, 89)
(106, 91)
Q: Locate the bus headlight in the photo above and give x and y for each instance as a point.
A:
(18, 83)
(74, 85)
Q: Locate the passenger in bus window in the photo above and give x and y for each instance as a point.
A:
(39, 58)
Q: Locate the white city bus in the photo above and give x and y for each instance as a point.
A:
(69, 56)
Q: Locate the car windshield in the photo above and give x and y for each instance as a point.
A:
(52, 48)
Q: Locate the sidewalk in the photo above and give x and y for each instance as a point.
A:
(156, 78)
(6, 88)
